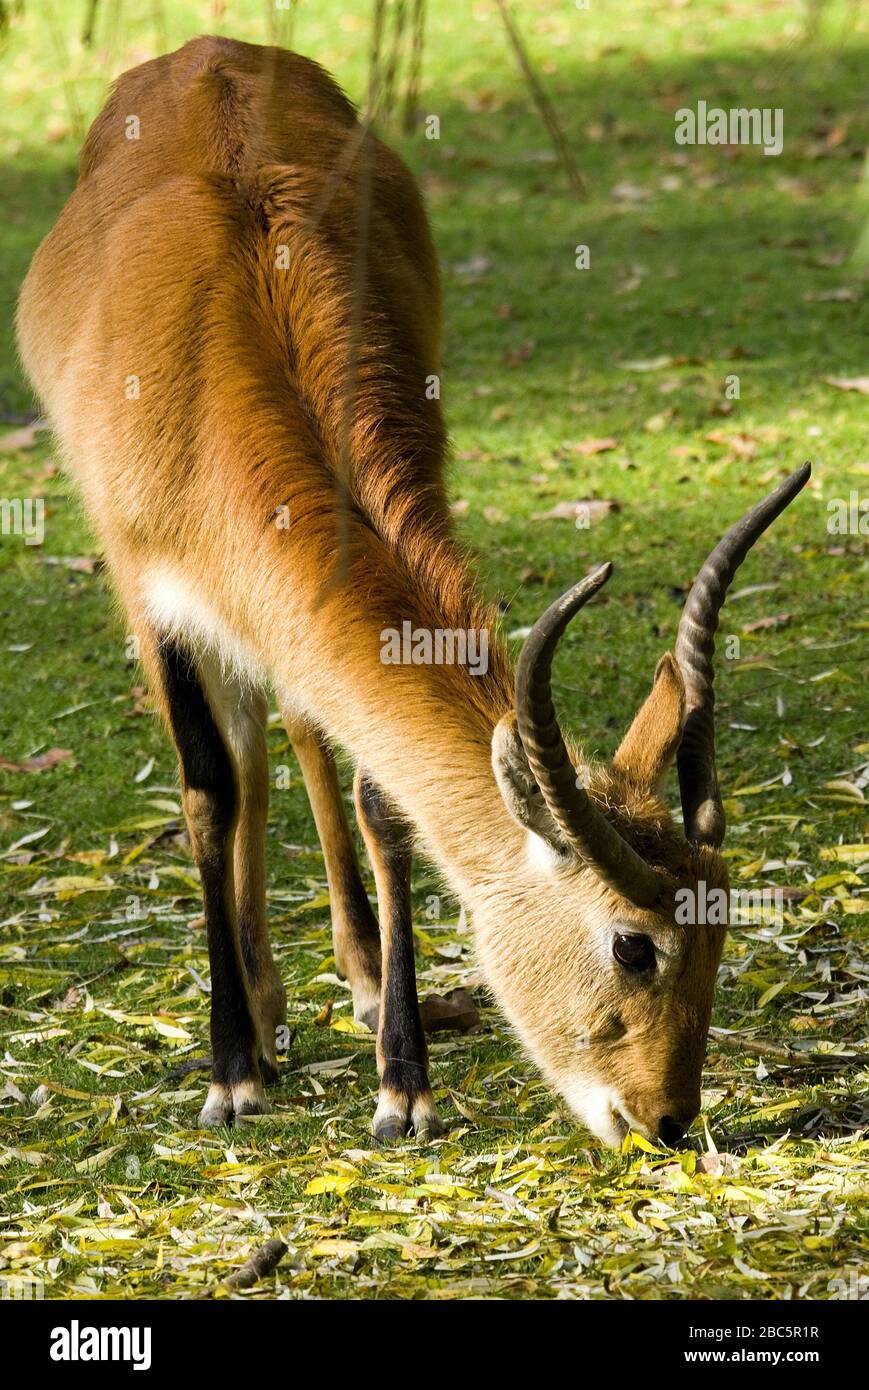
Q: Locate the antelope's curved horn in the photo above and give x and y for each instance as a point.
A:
(583, 826)
(695, 648)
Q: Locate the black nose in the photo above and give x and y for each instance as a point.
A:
(670, 1132)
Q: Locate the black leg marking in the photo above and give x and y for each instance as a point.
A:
(405, 1100)
(211, 803)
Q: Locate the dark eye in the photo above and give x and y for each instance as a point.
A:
(636, 953)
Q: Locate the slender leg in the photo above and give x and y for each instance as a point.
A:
(355, 934)
(211, 806)
(405, 1102)
(241, 715)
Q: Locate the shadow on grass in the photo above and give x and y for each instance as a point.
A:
(742, 248)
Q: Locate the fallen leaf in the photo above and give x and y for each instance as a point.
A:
(650, 364)
(513, 356)
(568, 511)
(848, 294)
(849, 383)
(627, 192)
(454, 1011)
(39, 763)
(774, 620)
(717, 1165)
(476, 265)
(656, 423)
(743, 445)
(25, 438)
(588, 447)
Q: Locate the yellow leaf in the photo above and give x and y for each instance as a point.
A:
(348, 1025)
(771, 993)
(170, 1030)
(339, 1248)
(636, 1141)
(99, 1160)
(331, 1182)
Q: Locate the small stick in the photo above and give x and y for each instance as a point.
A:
(544, 106)
(759, 1048)
(257, 1265)
(263, 1260)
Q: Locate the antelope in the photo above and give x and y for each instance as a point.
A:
(213, 363)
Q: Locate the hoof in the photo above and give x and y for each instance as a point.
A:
(399, 1115)
(224, 1104)
(430, 1128)
(390, 1131)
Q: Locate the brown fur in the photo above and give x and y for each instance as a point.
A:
(164, 266)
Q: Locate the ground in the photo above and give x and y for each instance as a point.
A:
(614, 383)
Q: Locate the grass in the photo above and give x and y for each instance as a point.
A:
(705, 264)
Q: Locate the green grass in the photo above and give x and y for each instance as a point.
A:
(720, 266)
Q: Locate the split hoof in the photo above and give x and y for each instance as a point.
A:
(399, 1116)
(224, 1104)
(390, 1131)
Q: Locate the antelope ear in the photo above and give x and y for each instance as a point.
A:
(649, 747)
(522, 796)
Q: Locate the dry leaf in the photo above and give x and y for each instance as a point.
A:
(513, 356)
(626, 192)
(25, 438)
(455, 1011)
(848, 294)
(849, 383)
(760, 624)
(569, 511)
(39, 763)
(588, 447)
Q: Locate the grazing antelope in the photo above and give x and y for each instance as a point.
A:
(215, 365)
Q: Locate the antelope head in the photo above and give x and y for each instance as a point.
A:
(609, 986)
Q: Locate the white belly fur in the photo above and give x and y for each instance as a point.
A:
(177, 610)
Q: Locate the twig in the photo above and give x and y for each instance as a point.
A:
(759, 1048)
(87, 33)
(542, 102)
(263, 1260)
(257, 1265)
(415, 66)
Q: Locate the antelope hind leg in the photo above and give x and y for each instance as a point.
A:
(242, 714)
(355, 933)
(211, 801)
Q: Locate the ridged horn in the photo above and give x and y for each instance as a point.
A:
(585, 828)
(695, 650)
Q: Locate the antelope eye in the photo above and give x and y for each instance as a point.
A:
(634, 952)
